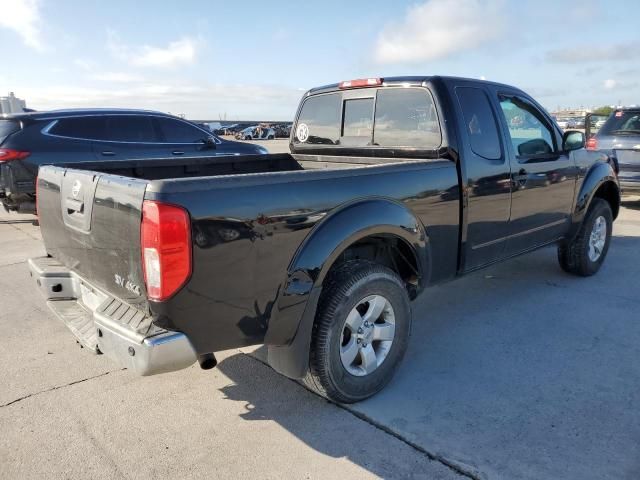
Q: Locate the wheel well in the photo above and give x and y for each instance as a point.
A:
(609, 192)
(387, 250)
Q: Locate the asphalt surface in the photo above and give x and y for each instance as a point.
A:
(518, 371)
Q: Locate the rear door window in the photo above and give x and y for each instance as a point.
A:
(406, 117)
(319, 120)
(177, 131)
(86, 128)
(131, 128)
(7, 127)
(479, 122)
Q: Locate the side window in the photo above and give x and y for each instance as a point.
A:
(176, 131)
(319, 120)
(88, 128)
(479, 122)
(406, 117)
(529, 131)
(131, 128)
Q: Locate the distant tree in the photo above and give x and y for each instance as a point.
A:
(603, 110)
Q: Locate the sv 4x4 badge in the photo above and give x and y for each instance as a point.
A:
(132, 287)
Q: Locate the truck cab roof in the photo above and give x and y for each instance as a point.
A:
(408, 79)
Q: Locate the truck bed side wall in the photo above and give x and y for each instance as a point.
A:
(241, 256)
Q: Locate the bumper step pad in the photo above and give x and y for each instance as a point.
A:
(78, 320)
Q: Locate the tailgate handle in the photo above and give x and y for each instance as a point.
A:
(74, 206)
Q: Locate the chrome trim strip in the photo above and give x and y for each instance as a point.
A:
(519, 234)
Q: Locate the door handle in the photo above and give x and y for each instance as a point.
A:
(74, 206)
(521, 178)
(108, 153)
(178, 152)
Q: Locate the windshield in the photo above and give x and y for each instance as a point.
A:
(7, 127)
(622, 123)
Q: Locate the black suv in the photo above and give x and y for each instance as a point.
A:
(28, 140)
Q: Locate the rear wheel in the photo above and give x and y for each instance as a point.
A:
(585, 254)
(361, 332)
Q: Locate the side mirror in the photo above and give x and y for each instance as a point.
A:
(209, 142)
(572, 140)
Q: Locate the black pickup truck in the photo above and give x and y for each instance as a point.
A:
(392, 185)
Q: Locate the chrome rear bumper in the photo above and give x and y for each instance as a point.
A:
(104, 324)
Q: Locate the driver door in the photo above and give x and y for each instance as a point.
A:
(542, 175)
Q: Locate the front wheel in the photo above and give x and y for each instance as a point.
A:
(585, 254)
(361, 332)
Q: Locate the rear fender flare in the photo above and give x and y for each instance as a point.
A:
(289, 354)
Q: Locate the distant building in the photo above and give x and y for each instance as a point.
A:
(12, 104)
(571, 113)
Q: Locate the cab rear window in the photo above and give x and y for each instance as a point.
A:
(390, 117)
(622, 123)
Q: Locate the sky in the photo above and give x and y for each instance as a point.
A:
(254, 59)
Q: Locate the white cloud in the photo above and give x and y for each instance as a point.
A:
(595, 54)
(115, 77)
(439, 28)
(85, 64)
(609, 84)
(179, 52)
(237, 101)
(23, 17)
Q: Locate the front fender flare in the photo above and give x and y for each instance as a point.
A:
(289, 334)
(599, 174)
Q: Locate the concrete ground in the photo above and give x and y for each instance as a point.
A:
(518, 371)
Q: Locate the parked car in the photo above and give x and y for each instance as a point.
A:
(282, 131)
(256, 133)
(320, 253)
(29, 140)
(619, 137)
(576, 122)
(563, 122)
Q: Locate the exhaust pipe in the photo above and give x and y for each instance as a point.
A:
(207, 361)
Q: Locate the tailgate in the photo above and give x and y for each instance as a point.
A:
(628, 165)
(90, 222)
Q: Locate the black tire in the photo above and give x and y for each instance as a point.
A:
(348, 285)
(574, 256)
(270, 137)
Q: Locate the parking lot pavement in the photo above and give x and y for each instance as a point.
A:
(518, 371)
(65, 413)
(523, 371)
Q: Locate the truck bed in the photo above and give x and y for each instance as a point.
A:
(249, 215)
(176, 168)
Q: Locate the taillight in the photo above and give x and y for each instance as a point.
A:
(592, 144)
(165, 239)
(361, 82)
(8, 154)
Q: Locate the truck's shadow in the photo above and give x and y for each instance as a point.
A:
(516, 355)
(267, 396)
(632, 204)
